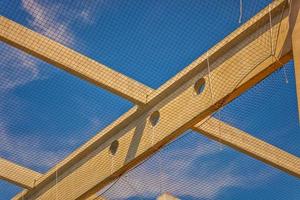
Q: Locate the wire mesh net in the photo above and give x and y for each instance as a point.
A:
(195, 167)
(269, 111)
(46, 113)
(8, 190)
(149, 41)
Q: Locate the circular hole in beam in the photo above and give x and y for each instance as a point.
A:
(114, 147)
(154, 118)
(199, 86)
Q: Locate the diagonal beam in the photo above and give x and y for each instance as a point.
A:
(242, 141)
(17, 174)
(241, 60)
(71, 61)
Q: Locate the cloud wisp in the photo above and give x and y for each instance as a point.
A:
(44, 20)
(54, 20)
(196, 172)
(16, 68)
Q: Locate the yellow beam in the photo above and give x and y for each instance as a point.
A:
(242, 141)
(65, 58)
(238, 62)
(17, 174)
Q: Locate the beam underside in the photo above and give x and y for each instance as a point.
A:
(149, 143)
(17, 174)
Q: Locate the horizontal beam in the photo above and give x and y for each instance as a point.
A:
(241, 60)
(18, 175)
(71, 61)
(242, 141)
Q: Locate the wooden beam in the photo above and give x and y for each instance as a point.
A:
(242, 141)
(17, 174)
(67, 59)
(237, 63)
(295, 28)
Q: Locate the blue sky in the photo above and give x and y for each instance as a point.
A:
(46, 113)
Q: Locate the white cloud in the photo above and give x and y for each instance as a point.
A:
(32, 148)
(54, 20)
(44, 20)
(26, 150)
(174, 176)
(19, 69)
(16, 68)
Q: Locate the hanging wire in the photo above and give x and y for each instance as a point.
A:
(160, 171)
(284, 67)
(241, 11)
(285, 75)
(152, 135)
(272, 46)
(271, 31)
(209, 78)
(131, 186)
(112, 164)
(56, 181)
(212, 96)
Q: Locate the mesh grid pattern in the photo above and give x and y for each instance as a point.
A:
(136, 39)
(46, 113)
(269, 111)
(194, 167)
(8, 190)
